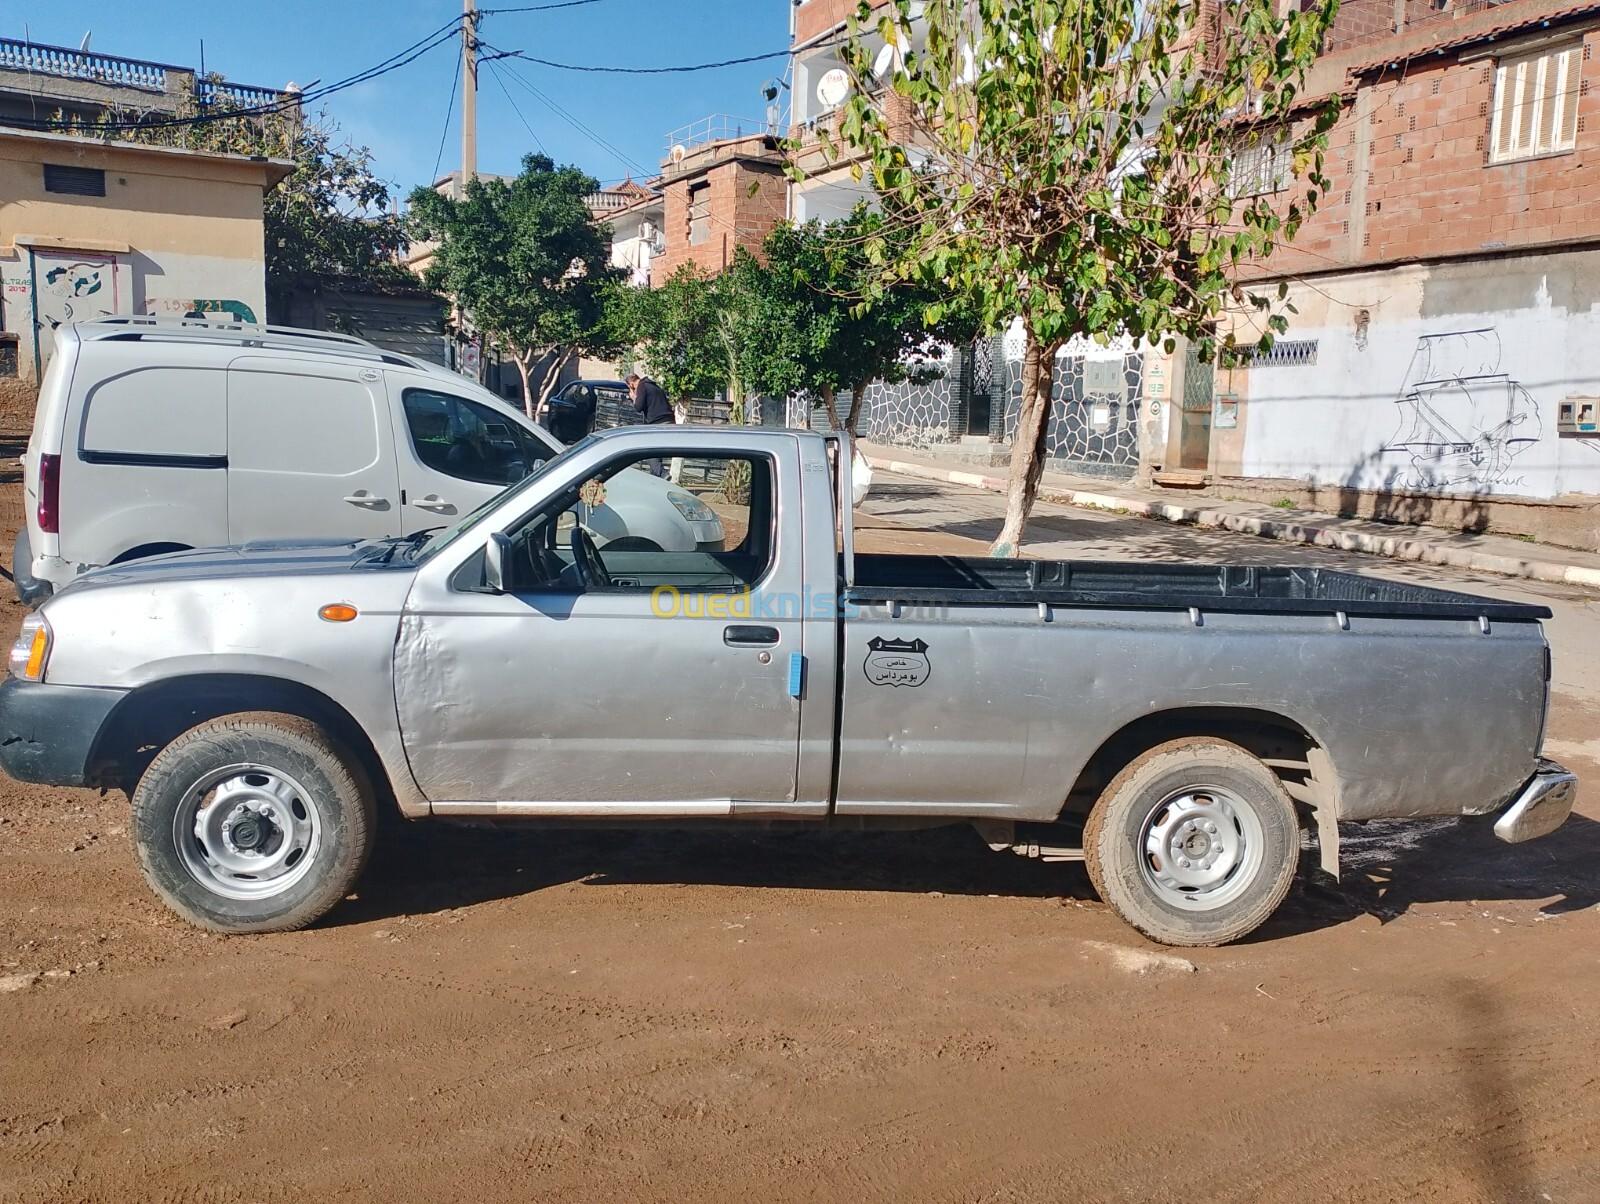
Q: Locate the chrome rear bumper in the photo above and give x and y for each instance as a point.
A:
(1541, 806)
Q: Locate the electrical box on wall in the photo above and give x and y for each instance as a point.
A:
(1225, 416)
(1579, 418)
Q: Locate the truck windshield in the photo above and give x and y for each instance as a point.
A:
(443, 538)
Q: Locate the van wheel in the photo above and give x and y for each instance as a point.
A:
(254, 822)
(1194, 843)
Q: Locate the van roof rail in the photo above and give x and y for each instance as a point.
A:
(205, 326)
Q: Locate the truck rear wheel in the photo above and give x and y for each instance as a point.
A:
(1194, 843)
(253, 822)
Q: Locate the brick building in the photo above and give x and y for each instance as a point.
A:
(721, 189)
(1445, 360)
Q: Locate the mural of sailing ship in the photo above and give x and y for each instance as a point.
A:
(1463, 422)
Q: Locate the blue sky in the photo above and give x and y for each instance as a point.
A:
(401, 115)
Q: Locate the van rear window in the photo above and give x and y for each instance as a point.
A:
(156, 412)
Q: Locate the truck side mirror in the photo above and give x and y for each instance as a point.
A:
(496, 555)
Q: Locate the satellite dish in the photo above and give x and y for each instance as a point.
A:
(83, 46)
(890, 58)
(833, 87)
(677, 153)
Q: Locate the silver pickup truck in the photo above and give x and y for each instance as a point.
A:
(1175, 726)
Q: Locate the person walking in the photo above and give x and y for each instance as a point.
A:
(650, 399)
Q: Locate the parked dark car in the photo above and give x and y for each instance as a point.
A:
(579, 407)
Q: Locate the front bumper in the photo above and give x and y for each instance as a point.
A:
(1541, 806)
(47, 733)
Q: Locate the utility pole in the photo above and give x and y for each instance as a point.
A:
(469, 90)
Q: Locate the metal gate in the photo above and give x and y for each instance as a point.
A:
(1194, 435)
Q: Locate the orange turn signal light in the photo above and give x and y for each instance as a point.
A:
(337, 612)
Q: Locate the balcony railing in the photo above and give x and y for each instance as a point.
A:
(244, 96)
(719, 127)
(83, 64)
(63, 62)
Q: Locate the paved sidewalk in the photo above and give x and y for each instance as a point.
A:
(1482, 553)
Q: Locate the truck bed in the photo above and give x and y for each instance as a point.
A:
(970, 581)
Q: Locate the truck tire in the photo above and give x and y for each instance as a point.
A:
(1194, 843)
(254, 822)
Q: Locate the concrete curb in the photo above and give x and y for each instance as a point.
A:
(1396, 547)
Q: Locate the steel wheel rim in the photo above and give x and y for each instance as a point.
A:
(247, 832)
(1200, 848)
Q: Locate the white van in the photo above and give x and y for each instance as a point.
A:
(154, 435)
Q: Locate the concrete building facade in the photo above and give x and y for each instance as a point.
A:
(1444, 362)
(90, 229)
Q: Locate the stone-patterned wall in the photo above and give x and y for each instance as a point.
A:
(915, 415)
(1094, 411)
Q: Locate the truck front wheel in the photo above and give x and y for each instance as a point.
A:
(1194, 843)
(253, 822)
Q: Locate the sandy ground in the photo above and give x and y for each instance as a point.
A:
(531, 1015)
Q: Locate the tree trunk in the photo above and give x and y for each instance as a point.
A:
(832, 407)
(1027, 447)
(858, 395)
(552, 378)
(524, 365)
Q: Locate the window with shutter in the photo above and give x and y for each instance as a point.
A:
(1536, 104)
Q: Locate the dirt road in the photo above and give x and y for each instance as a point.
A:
(513, 1015)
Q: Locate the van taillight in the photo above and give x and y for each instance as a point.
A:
(50, 494)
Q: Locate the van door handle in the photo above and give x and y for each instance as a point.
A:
(435, 503)
(747, 637)
(362, 497)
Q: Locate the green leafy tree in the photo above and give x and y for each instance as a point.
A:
(528, 265)
(1071, 163)
(331, 217)
(676, 331)
(816, 318)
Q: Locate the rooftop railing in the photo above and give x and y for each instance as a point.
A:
(83, 64)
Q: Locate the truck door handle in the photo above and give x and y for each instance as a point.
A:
(363, 498)
(435, 503)
(749, 637)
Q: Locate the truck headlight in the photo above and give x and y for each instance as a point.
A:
(32, 649)
(691, 507)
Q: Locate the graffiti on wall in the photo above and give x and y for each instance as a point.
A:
(1463, 421)
(71, 287)
(200, 307)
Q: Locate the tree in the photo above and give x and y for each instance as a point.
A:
(675, 329)
(332, 216)
(1071, 164)
(814, 323)
(526, 262)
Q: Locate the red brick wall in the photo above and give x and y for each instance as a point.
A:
(739, 217)
(816, 17)
(1360, 21)
(1413, 180)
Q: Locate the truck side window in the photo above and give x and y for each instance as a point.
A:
(469, 440)
(705, 524)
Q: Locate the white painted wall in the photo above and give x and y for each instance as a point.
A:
(81, 286)
(1451, 385)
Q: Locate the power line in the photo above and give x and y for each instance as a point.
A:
(578, 125)
(394, 62)
(536, 8)
(511, 100)
(682, 69)
(449, 111)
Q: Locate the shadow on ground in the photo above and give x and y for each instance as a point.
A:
(1388, 867)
